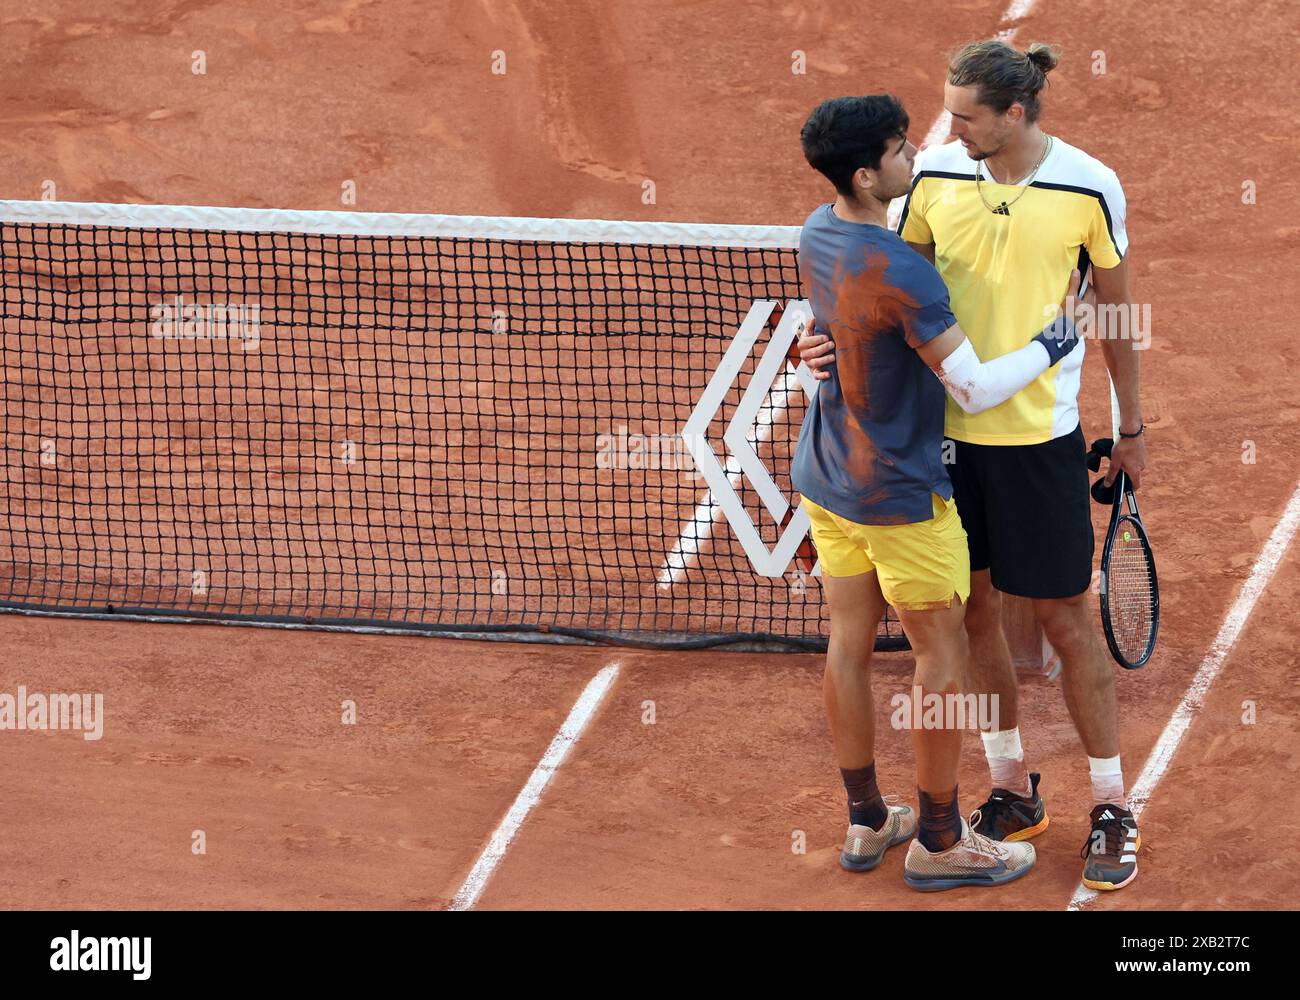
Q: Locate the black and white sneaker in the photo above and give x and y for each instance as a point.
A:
(1111, 853)
(1009, 817)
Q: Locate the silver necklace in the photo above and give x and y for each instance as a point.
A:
(1005, 208)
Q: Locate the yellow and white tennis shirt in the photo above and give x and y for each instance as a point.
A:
(1006, 273)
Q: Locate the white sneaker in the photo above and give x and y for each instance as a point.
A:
(864, 848)
(973, 860)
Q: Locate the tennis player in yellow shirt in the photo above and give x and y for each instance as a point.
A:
(1005, 212)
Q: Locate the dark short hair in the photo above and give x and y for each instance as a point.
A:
(1002, 75)
(845, 134)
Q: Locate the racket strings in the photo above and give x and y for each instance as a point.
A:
(1130, 592)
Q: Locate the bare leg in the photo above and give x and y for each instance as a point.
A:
(940, 647)
(991, 673)
(856, 607)
(1086, 675)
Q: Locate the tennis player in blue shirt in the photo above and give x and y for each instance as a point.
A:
(869, 466)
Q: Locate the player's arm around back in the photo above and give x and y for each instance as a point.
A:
(975, 385)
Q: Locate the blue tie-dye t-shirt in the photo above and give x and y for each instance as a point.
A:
(871, 444)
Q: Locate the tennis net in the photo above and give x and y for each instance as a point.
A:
(525, 428)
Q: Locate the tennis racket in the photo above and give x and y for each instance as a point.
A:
(1130, 590)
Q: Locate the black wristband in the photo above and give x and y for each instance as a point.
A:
(1136, 433)
(1059, 338)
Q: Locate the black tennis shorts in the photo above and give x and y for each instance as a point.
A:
(1026, 512)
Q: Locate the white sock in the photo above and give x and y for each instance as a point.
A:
(1107, 782)
(1007, 761)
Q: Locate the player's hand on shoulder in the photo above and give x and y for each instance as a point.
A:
(816, 350)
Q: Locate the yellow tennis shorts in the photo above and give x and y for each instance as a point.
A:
(920, 565)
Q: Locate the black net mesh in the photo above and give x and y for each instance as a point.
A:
(450, 434)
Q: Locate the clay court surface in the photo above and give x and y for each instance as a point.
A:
(235, 731)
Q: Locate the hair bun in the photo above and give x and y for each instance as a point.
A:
(1043, 56)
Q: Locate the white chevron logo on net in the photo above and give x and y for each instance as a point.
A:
(760, 407)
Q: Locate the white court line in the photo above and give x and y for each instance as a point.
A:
(700, 527)
(1018, 9)
(581, 714)
(1270, 557)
